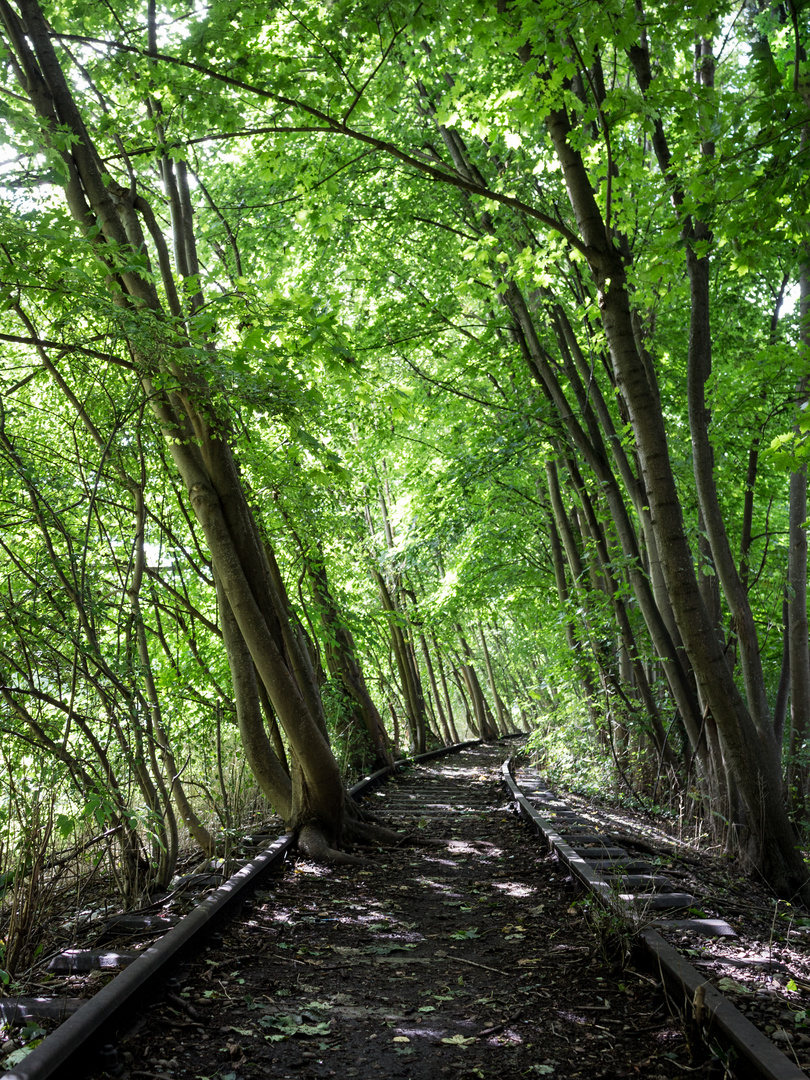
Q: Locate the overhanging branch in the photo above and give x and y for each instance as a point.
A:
(335, 126)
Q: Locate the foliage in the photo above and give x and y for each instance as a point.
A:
(398, 323)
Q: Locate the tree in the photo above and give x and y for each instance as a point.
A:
(514, 213)
(169, 345)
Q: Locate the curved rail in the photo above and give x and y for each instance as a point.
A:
(594, 859)
(77, 1045)
(613, 877)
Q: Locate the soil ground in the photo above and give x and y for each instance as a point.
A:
(470, 958)
(765, 968)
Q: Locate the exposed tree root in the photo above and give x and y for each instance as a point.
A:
(313, 843)
(364, 827)
(415, 840)
(367, 833)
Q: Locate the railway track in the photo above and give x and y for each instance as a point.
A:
(438, 799)
(88, 1029)
(651, 904)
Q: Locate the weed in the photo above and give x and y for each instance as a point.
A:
(30, 1036)
(614, 935)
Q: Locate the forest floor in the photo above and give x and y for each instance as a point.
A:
(470, 958)
(765, 968)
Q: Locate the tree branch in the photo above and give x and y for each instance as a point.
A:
(339, 127)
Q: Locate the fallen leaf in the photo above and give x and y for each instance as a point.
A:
(386, 950)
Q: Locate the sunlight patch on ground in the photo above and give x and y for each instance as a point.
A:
(667, 1035)
(420, 1033)
(573, 1017)
(513, 888)
(439, 886)
(507, 1036)
(473, 772)
(478, 847)
(313, 869)
(282, 914)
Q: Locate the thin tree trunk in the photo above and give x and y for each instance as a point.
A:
(470, 719)
(414, 701)
(445, 691)
(748, 749)
(503, 723)
(195, 427)
(485, 721)
(448, 739)
(561, 539)
(799, 651)
(342, 657)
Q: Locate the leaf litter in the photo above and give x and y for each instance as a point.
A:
(383, 972)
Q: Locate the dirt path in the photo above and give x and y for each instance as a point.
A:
(468, 959)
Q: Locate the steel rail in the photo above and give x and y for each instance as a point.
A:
(75, 1048)
(756, 1057)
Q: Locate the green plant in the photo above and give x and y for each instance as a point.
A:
(612, 931)
(30, 1037)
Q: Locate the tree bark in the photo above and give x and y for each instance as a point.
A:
(194, 426)
(448, 738)
(797, 627)
(766, 838)
(500, 709)
(485, 721)
(342, 657)
(451, 720)
(411, 689)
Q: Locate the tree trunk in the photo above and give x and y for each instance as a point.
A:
(448, 739)
(590, 444)
(797, 632)
(500, 710)
(194, 425)
(342, 659)
(637, 673)
(470, 719)
(445, 691)
(484, 719)
(767, 837)
(411, 688)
